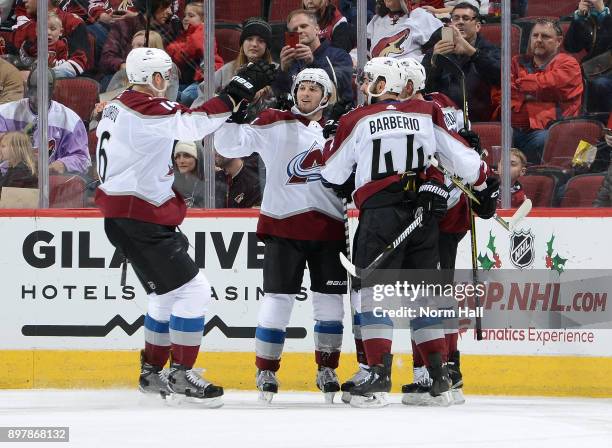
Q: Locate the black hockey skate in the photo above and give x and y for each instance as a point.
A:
(439, 392)
(267, 384)
(372, 391)
(416, 393)
(187, 385)
(357, 378)
(454, 372)
(327, 382)
(153, 380)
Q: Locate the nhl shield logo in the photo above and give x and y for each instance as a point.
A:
(522, 252)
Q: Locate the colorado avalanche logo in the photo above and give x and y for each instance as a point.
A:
(306, 166)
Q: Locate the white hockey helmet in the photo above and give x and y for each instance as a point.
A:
(319, 76)
(414, 72)
(388, 68)
(142, 63)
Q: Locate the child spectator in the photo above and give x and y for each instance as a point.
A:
(187, 52)
(58, 48)
(518, 167)
(17, 154)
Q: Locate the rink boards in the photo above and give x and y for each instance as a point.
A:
(67, 321)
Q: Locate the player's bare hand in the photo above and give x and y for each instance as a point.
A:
(304, 53)
(287, 55)
(57, 167)
(443, 47)
(99, 107)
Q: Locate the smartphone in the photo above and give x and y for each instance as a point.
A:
(292, 38)
(448, 35)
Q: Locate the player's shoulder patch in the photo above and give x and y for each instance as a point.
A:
(148, 106)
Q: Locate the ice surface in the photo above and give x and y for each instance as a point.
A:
(125, 418)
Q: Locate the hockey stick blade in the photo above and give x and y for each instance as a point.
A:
(365, 272)
(454, 179)
(520, 213)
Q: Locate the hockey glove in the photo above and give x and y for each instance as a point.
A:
(472, 138)
(239, 116)
(343, 191)
(249, 80)
(431, 199)
(330, 128)
(488, 198)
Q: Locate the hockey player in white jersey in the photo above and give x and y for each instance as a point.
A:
(141, 211)
(391, 143)
(453, 228)
(300, 222)
(396, 31)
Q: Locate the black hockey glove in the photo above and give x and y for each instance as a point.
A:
(249, 80)
(343, 191)
(472, 138)
(431, 199)
(239, 116)
(330, 128)
(284, 102)
(488, 198)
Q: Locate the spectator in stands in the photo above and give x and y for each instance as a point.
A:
(187, 52)
(518, 168)
(187, 181)
(349, 10)
(397, 32)
(546, 86)
(58, 47)
(255, 41)
(604, 195)
(481, 5)
(479, 59)
(17, 154)
(333, 26)
(312, 53)
(11, 83)
(591, 30)
(103, 13)
(66, 132)
(119, 82)
(117, 44)
(74, 31)
(237, 183)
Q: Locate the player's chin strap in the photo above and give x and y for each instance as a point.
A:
(322, 105)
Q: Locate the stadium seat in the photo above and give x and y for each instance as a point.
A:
(92, 142)
(539, 189)
(582, 190)
(237, 11)
(490, 135)
(563, 138)
(558, 8)
(279, 9)
(228, 41)
(79, 94)
(66, 191)
(492, 33)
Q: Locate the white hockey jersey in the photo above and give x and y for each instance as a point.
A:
(135, 139)
(398, 35)
(295, 204)
(390, 138)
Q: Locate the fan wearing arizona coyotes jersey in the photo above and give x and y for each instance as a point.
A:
(397, 32)
(300, 222)
(141, 211)
(391, 143)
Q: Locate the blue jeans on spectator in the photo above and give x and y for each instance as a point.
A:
(189, 94)
(531, 142)
(600, 94)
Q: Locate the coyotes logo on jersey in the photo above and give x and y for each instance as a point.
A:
(391, 46)
(306, 166)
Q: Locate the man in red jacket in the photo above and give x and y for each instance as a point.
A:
(546, 86)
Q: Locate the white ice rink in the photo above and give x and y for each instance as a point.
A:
(122, 418)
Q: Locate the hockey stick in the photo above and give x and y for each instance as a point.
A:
(441, 61)
(347, 242)
(365, 272)
(520, 213)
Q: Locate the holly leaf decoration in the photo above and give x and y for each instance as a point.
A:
(558, 263)
(485, 262)
(491, 243)
(549, 246)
